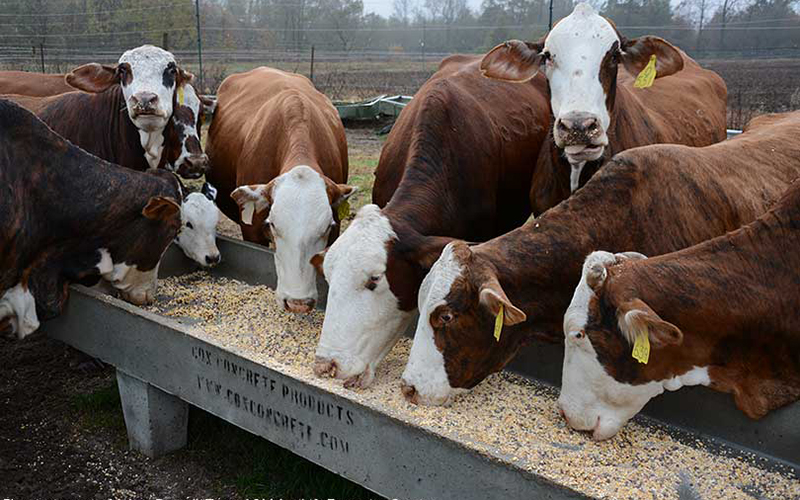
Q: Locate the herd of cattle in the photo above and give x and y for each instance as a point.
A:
(572, 129)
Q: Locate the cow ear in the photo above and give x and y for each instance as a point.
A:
(492, 297)
(209, 104)
(340, 193)
(636, 55)
(513, 61)
(93, 77)
(252, 199)
(183, 78)
(318, 260)
(161, 208)
(636, 317)
(209, 191)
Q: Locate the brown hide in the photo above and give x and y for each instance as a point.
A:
(33, 84)
(735, 299)
(458, 163)
(688, 108)
(654, 199)
(268, 121)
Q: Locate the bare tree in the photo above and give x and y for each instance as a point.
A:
(403, 10)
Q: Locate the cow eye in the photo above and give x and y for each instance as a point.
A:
(189, 225)
(372, 282)
(446, 317)
(171, 68)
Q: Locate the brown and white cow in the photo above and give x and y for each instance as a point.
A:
(458, 163)
(597, 111)
(279, 158)
(113, 137)
(67, 216)
(654, 199)
(723, 314)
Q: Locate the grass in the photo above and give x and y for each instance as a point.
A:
(254, 466)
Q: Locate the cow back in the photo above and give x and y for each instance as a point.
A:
(33, 84)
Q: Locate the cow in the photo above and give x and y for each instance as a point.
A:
(33, 84)
(279, 158)
(198, 233)
(69, 217)
(458, 163)
(654, 200)
(597, 111)
(722, 314)
(114, 138)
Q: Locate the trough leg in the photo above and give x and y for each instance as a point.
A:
(156, 421)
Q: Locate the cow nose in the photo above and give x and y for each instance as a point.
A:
(193, 167)
(324, 367)
(578, 122)
(299, 305)
(409, 392)
(145, 100)
(213, 260)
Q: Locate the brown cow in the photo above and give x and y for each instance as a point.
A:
(597, 110)
(278, 148)
(67, 216)
(723, 314)
(458, 163)
(33, 84)
(654, 199)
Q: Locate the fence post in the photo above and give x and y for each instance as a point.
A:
(312, 64)
(165, 41)
(199, 43)
(550, 23)
(41, 54)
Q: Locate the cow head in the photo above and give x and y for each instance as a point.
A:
(372, 279)
(603, 386)
(297, 211)
(130, 262)
(198, 234)
(580, 57)
(184, 153)
(454, 345)
(149, 77)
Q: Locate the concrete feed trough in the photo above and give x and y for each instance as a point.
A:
(218, 341)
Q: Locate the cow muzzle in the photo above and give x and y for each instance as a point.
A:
(299, 306)
(581, 136)
(193, 167)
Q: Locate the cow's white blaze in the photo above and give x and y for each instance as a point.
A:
(198, 235)
(148, 64)
(301, 220)
(138, 287)
(425, 370)
(360, 325)
(18, 305)
(591, 399)
(577, 46)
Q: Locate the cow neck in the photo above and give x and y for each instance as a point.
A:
(539, 264)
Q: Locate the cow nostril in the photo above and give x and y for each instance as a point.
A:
(409, 392)
(324, 367)
(213, 259)
(562, 126)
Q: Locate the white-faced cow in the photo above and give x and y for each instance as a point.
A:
(458, 163)
(198, 234)
(597, 111)
(721, 314)
(654, 199)
(279, 158)
(66, 216)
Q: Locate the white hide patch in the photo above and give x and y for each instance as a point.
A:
(591, 399)
(301, 220)
(147, 67)
(425, 370)
(138, 287)
(361, 325)
(19, 306)
(577, 46)
(153, 145)
(198, 235)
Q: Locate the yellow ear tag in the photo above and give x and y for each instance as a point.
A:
(647, 75)
(344, 210)
(180, 96)
(641, 346)
(498, 324)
